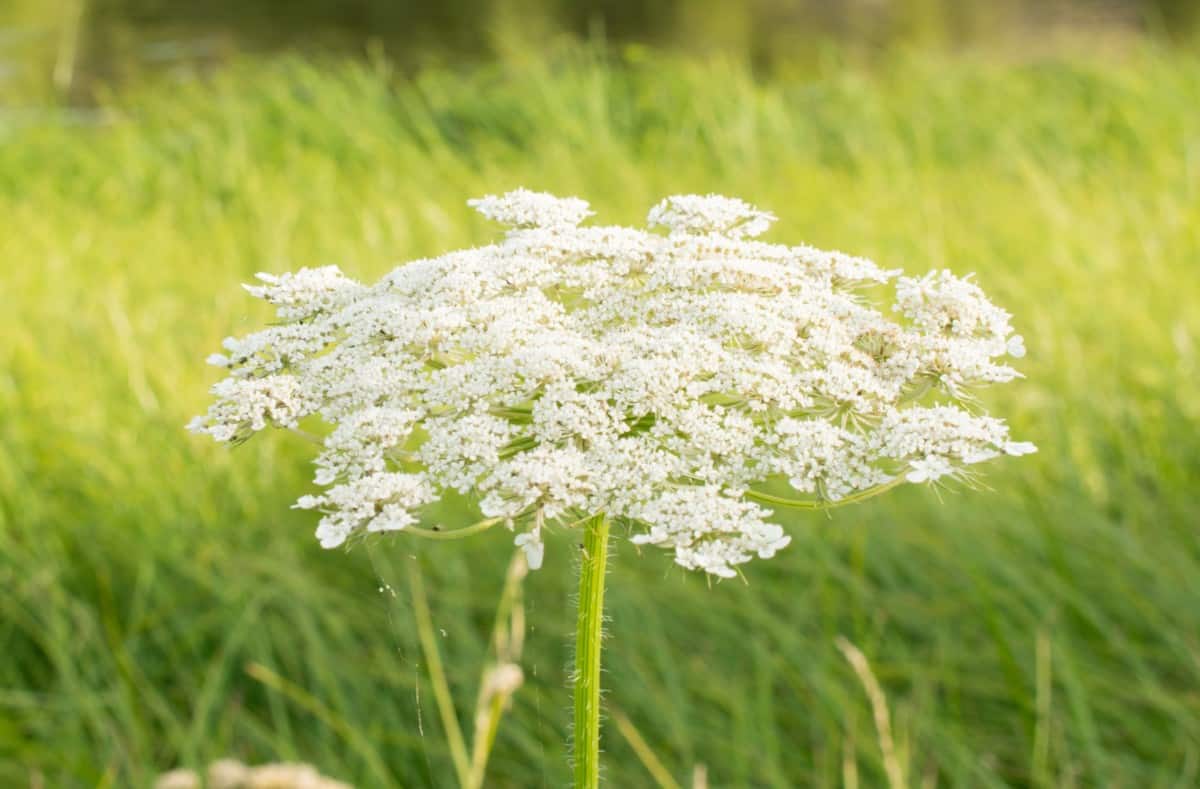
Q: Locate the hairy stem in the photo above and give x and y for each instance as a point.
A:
(588, 634)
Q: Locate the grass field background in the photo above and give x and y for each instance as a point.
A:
(1044, 633)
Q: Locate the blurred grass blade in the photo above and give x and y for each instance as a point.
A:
(879, 709)
(437, 676)
(643, 751)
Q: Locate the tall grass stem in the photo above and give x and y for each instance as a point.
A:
(437, 676)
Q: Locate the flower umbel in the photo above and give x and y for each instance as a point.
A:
(659, 379)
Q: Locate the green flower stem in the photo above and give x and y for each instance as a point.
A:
(452, 534)
(588, 634)
(799, 504)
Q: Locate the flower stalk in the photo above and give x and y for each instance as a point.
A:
(588, 637)
(656, 374)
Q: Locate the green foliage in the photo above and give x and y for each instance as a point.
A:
(1044, 633)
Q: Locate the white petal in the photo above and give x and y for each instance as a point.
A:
(1020, 448)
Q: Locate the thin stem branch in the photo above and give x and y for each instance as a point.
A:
(588, 635)
(800, 504)
(453, 534)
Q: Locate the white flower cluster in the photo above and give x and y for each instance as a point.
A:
(661, 379)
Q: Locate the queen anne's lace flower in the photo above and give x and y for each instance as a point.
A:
(710, 214)
(523, 208)
(659, 379)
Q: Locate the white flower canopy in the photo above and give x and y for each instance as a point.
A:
(660, 379)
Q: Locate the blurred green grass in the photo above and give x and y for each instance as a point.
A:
(144, 569)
